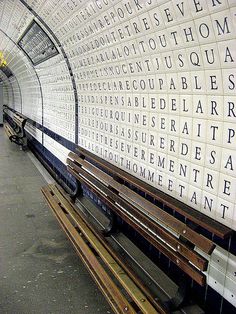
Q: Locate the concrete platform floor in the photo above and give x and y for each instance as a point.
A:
(39, 270)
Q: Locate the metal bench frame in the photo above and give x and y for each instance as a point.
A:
(15, 131)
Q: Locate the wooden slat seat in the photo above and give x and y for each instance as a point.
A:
(172, 237)
(9, 130)
(125, 285)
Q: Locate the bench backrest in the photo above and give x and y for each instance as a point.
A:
(188, 212)
(18, 119)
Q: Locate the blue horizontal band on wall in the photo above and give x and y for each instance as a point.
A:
(58, 168)
(58, 138)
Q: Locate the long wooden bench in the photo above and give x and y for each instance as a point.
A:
(16, 130)
(180, 241)
(174, 238)
(125, 292)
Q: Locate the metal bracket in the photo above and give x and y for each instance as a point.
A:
(112, 226)
(77, 192)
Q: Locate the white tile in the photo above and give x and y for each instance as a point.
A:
(229, 108)
(215, 107)
(182, 191)
(224, 27)
(198, 153)
(229, 84)
(194, 197)
(214, 6)
(227, 188)
(213, 157)
(228, 162)
(227, 53)
(198, 8)
(209, 204)
(229, 135)
(205, 30)
(225, 212)
(214, 132)
(210, 181)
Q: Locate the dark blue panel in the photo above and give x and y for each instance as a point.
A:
(52, 161)
(224, 243)
(233, 244)
(228, 308)
(213, 301)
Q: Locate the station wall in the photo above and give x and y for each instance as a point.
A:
(147, 85)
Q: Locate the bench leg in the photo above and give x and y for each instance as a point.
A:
(112, 227)
(17, 140)
(175, 302)
(77, 192)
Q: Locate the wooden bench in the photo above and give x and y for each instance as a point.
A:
(179, 241)
(176, 239)
(125, 292)
(16, 130)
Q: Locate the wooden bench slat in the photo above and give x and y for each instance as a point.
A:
(175, 257)
(117, 301)
(9, 131)
(154, 211)
(197, 239)
(124, 279)
(197, 217)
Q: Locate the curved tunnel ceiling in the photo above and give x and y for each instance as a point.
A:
(24, 73)
(33, 80)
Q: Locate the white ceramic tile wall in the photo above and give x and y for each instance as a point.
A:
(157, 68)
(58, 97)
(7, 89)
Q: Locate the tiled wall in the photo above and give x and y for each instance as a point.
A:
(7, 89)
(156, 85)
(58, 98)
